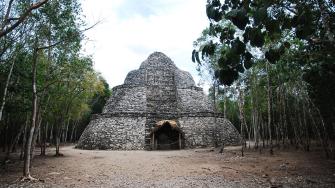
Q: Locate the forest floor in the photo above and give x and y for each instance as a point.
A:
(178, 168)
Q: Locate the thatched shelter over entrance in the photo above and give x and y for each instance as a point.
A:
(166, 135)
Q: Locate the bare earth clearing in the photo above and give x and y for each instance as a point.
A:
(185, 168)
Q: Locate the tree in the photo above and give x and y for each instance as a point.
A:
(301, 31)
(18, 18)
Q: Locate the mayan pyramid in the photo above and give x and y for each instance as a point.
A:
(158, 107)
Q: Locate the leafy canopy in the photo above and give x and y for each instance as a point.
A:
(266, 29)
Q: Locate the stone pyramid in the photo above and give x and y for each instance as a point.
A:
(158, 107)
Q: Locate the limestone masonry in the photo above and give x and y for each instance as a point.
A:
(157, 107)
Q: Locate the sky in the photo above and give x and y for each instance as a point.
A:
(130, 30)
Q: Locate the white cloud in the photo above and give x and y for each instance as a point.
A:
(131, 30)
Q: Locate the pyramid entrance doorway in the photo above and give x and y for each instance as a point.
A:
(166, 135)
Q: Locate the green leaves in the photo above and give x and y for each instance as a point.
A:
(195, 57)
(226, 76)
(247, 60)
(237, 46)
(272, 26)
(264, 24)
(256, 37)
(303, 22)
(213, 12)
(208, 49)
(227, 34)
(238, 17)
(273, 55)
(259, 15)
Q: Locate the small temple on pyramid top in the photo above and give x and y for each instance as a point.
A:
(158, 107)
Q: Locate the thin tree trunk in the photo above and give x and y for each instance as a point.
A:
(73, 127)
(14, 142)
(301, 127)
(253, 112)
(281, 116)
(57, 143)
(241, 106)
(306, 127)
(44, 139)
(66, 130)
(264, 133)
(75, 133)
(325, 140)
(5, 138)
(39, 120)
(51, 133)
(214, 96)
(58, 135)
(269, 106)
(6, 89)
(26, 167)
(24, 139)
(285, 119)
(225, 98)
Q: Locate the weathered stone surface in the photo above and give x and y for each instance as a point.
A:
(114, 133)
(127, 98)
(157, 91)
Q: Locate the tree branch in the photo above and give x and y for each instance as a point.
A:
(49, 46)
(90, 27)
(22, 18)
(5, 21)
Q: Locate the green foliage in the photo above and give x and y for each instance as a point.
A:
(68, 88)
(267, 24)
(299, 33)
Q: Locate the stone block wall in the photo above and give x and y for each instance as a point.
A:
(208, 131)
(161, 99)
(226, 133)
(127, 98)
(116, 133)
(135, 77)
(198, 131)
(183, 79)
(193, 99)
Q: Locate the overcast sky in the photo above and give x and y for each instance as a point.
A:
(130, 30)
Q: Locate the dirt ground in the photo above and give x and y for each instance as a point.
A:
(178, 168)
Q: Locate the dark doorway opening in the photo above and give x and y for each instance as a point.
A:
(166, 137)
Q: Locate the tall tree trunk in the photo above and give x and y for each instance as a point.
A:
(14, 142)
(73, 127)
(241, 107)
(214, 96)
(44, 139)
(284, 101)
(6, 89)
(269, 106)
(66, 130)
(51, 133)
(58, 134)
(325, 137)
(308, 142)
(225, 98)
(39, 121)
(5, 138)
(75, 134)
(281, 116)
(57, 140)
(26, 167)
(24, 139)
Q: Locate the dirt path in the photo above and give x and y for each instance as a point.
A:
(185, 168)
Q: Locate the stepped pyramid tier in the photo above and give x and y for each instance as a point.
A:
(158, 107)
